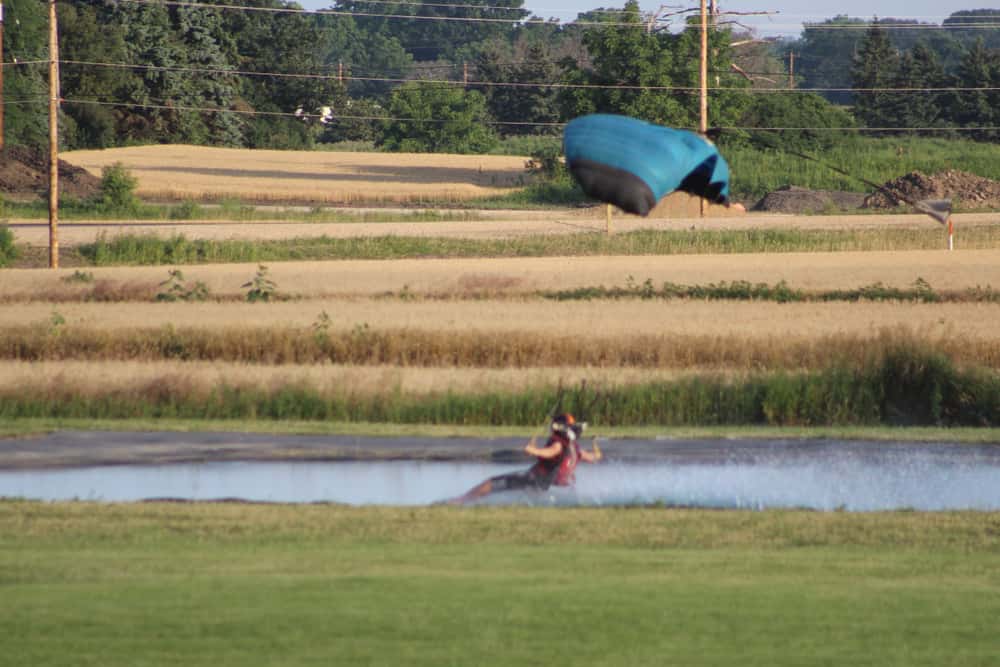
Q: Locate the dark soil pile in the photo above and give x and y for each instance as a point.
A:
(966, 190)
(793, 199)
(24, 176)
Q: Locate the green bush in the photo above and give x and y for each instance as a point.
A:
(117, 193)
(437, 119)
(8, 251)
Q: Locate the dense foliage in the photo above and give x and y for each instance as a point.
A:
(261, 73)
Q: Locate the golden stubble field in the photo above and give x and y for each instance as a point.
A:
(490, 297)
(172, 172)
(461, 277)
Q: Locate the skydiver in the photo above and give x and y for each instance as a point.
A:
(556, 464)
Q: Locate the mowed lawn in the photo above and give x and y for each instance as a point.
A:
(231, 584)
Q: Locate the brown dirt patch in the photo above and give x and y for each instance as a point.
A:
(24, 175)
(793, 199)
(964, 189)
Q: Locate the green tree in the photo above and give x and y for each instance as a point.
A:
(823, 56)
(653, 75)
(363, 54)
(633, 69)
(438, 33)
(26, 81)
(918, 100)
(970, 25)
(437, 118)
(875, 67)
(980, 69)
(206, 46)
(535, 100)
(727, 95)
(796, 110)
(290, 44)
(82, 39)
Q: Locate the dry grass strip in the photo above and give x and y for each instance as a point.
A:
(201, 377)
(585, 321)
(810, 271)
(413, 347)
(172, 172)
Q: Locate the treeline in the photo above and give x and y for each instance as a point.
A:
(152, 72)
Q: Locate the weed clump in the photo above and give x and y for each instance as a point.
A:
(262, 288)
(8, 251)
(176, 288)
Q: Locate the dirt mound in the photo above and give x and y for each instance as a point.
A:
(966, 190)
(24, 175)
(793, 199)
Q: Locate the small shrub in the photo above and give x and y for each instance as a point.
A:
(117, 191)
(546, 162)
(8, 251)
(85, 277)
(57, 323)
(262, 288)
(186, 210)
(175, 288)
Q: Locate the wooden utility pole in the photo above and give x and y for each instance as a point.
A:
(791, 69)
(1, 76)
(53, 138)
(703, 72)
(703, 88)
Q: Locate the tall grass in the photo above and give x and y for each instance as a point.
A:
(742, 290)
(897, 386)
(757, 172)
(227, 210)
(362, 345)
(131, 249)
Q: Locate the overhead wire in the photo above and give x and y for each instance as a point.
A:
(473, 19)
(520, 84)
(319, 117)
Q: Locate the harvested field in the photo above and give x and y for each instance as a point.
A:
(468, 277)
(356, 380)
(386, 331)
(490, 225)
(598, 319)
(171, 173)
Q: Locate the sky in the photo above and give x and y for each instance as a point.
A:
(787, 22)
(790, 13)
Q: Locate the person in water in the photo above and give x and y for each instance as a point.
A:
(556, 464)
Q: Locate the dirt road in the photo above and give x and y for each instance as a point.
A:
(491, 225)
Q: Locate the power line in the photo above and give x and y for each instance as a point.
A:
(339, 12)
(525, 21)
(175, 107)
(518, 84)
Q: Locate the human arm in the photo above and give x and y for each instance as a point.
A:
(550, 451)
(594, 455)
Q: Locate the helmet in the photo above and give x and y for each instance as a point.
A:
(565, 424)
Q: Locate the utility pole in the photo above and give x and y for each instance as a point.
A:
(53, 138)
(1, 76)
(703, 88)
(703, 73)
(791, 69)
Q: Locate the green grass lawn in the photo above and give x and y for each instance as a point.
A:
(28, 427)
(210, 584)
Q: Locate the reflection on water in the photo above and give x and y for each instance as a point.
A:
(918, 481)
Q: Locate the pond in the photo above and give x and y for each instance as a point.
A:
(921, 478)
